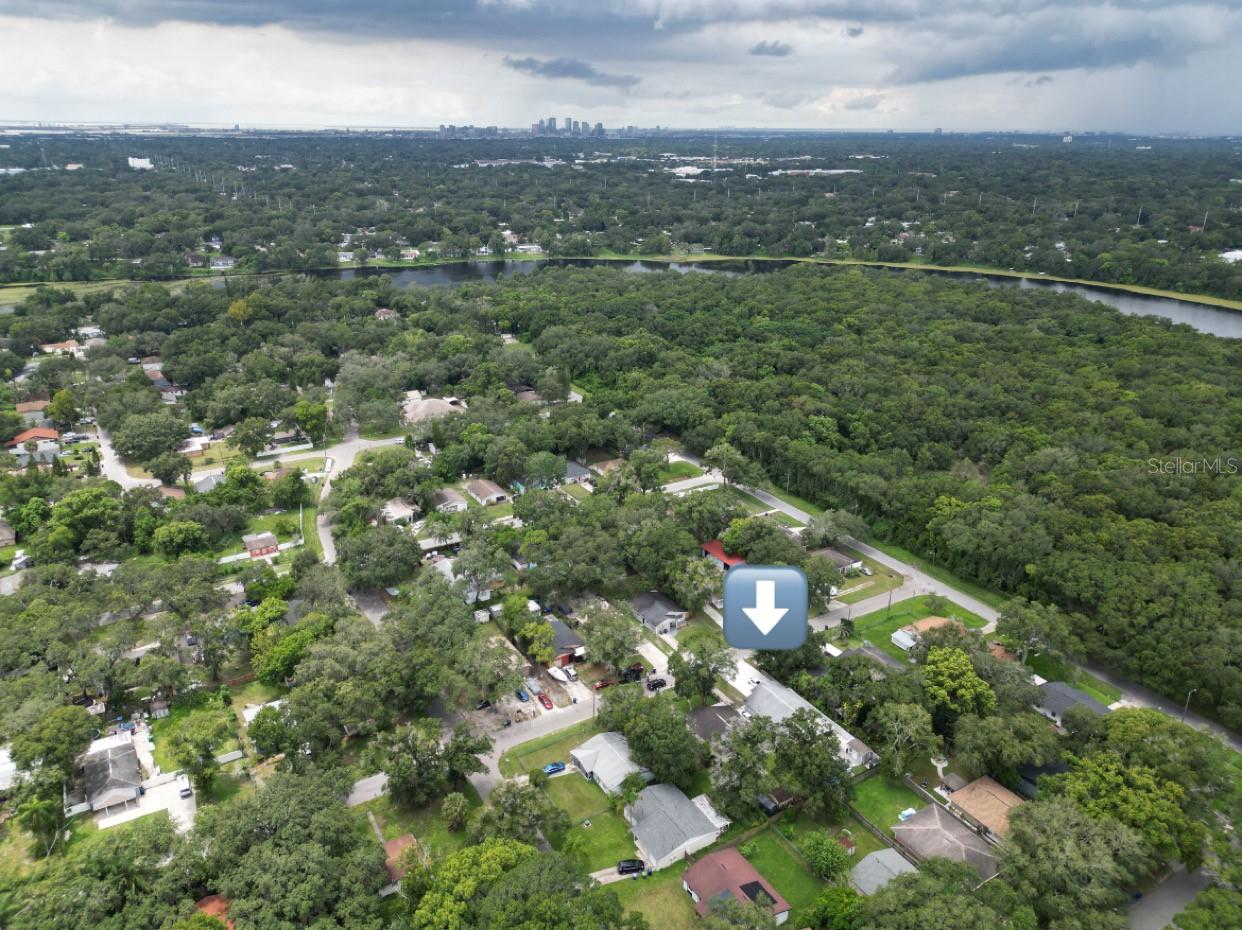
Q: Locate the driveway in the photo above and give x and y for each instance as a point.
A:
(367, 789)
(1156, 910)
(112, 468)
(165, 797)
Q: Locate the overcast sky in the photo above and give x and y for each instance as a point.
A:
(1131, 65)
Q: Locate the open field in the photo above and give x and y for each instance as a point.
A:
(679, 470)
(660, 899)
(861, 587)
(881, 799)
(878, 626)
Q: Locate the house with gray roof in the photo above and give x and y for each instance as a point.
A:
(605, 760)
(568, 644)
(877, 869)
(576, 473)
(1056, 697)
(668, 826)
(933, 831)
(776, 702)
(448, 500)
(112, 776)
(660, 614)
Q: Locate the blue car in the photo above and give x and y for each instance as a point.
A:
(553, 768)
(522, 695)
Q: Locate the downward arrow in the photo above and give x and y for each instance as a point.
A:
(765, 614)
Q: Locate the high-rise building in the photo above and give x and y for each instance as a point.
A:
(599, 130)
(569, 125)
(551, 124)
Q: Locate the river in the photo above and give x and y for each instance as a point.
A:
(1219, 321)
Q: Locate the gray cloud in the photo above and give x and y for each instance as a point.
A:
(773, 49)
(868, 102)
(571, 69)
(854, 31)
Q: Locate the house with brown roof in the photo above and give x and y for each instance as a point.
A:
(38, 434)
(912, 634)
(986, 802)
(394, 856)
(217, 906)
(32, 410)
(261, 544)
(934, 831)
(726, 875)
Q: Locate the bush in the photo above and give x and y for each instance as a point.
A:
(456, 811)
(825, 854)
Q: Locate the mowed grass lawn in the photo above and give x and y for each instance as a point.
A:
(660, 899)
(881, 800)
(551, 747)
(607, 840)
(679, 471)
(878, 626)
(163, 728)
(798, 829)
(860, 587)
(780, 866)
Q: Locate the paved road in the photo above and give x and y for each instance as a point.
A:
(342, 455)
(1156, 910)
(111, 466)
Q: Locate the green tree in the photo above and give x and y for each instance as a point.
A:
(196, 741)
(142, 437)
(702, 658)
(610, 635)
(998, 746)
(953, 688)
(540, 640)
(825, 854)
(251, 436)
(1040, 628)
(742, 766)
(311, 418)
(464, 751)
(907, 735)
(44, 817)
(63, 409)
(695, 582)
(178, 537)
(456, 811)
(809, 764)
(170, 468)
(270, 731)
(55, 742)
(837, 908)
(414, 760)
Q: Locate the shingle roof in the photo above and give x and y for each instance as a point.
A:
(653, 608)
(726, 874)
(567, 638)
(664, 819)
(112, 775)
(1060, 697)
(606, 758)
(707, 722)
(988, 802)
(933, 831)
(876, 870)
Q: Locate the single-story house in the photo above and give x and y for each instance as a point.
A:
(933, 831)
(37, 433)
(708, 722)
(260, 544)
(726, 875)
(576, 473)
(223, 262)
(1029, 776)
(433, 543)
(714, 550)
(112, 776)
(32, 410)
(419, 408)
(1057, 697)
(45, 453)
(568, 645)
(529, 396)
(668, 826)
(605, 760)
(486, 492)
(986, 802)
(398, 511)
(445, 566)
(660, 614)
(8, 536)
(877, 869)
(385, 313)
(207, 483)
(776, 702)
(842, 560)
(68, 347)
(912, 634)
(217, 906)
(448, 500)
(394, 852)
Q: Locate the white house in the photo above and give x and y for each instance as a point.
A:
(668, 827)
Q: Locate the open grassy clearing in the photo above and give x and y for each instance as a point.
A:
(878, 626)
(780, 866)
(860, 587)
(426, 824)
(1058, 670)
(679, 470)
(607, 840)
(660, 899)
(551, 747)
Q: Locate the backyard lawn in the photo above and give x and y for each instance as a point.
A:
(273, 522)
(779, 865)
(576, 491)
(427, 824)
(861, 587)
(161, 730)
(660, 899)
(607, 839)
(798, 829)
(1053, 669)
(551, 747)
(881, 799)
(878, 626)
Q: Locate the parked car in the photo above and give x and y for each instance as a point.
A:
(483, 704)
(633, 673)
(604, 683)
(570, 672)
(768, 805)
(553, 768)
(655, 684)
(545, 701)
(522, 695)
(630, 866)
(185, 790)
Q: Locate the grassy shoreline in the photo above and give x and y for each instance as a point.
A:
(18, 291)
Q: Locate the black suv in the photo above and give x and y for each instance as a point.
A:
(630, 866)
(655, 684)
(633, 673)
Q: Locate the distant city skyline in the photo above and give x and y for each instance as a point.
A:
(1046, 65)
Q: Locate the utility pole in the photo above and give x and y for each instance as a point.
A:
(1186, 706)
(1203, 228)
(1076, 203)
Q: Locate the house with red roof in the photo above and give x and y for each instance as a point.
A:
(724, 875)
(38, 434)
(714, 549)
